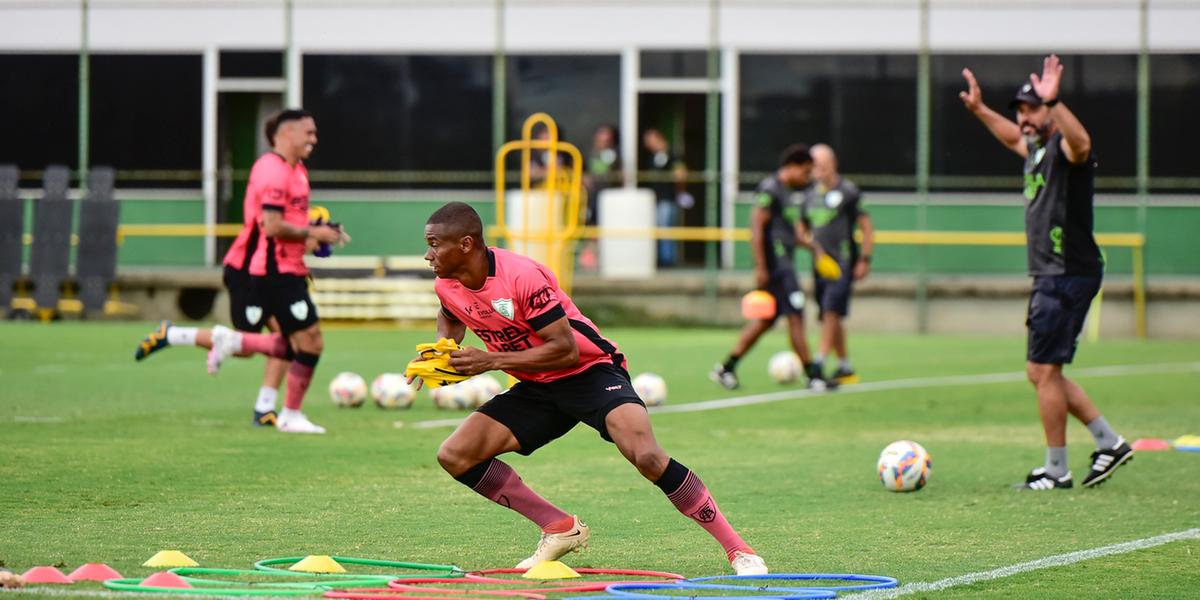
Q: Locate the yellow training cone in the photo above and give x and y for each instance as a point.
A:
(170, 559)
(550, 569)
(318, 563)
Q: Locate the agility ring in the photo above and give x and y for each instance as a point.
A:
(875, 581)
(630, 590)
(270, 565)
(395, 594)
(132, 585)
(315, 581)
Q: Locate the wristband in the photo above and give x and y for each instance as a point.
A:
(1050, 103)
(865, 258)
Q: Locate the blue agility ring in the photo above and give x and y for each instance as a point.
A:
(627, 590)
(876, 581)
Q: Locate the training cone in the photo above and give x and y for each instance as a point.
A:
(170, 559)
(94, 572)
(45, 575)
(758, 305)
(318, 563)
(550, 569)
(164, 579)
(1150, 445)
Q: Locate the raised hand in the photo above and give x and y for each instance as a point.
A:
(973, 97)
(1046, 86)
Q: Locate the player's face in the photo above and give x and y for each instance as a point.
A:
(300, 136)
(1034, 122)
(798, 176)
(444, 255)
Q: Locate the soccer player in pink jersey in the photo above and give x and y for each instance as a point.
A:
(266, 276)
(568, 373)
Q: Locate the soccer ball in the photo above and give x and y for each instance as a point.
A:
(456, 396)
(348, 390)
(391, 390)
(784, 367)
(651, 388)
(486, 388)
(904, 466)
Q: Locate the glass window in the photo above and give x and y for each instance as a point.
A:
(863, 106)
(1100, 89)
(581, 93)
(146, 115)
(1174, 124)
(236, 63)
(39, 110)
(675, 63)
(390, 112)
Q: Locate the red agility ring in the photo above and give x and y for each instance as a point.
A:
(586, 571)
(389, 593)
(415, 584)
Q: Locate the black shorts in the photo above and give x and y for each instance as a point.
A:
(286, 298)
(834, 295)
(785, 287)
(245, 310)
(539, 413)
(1058, 306)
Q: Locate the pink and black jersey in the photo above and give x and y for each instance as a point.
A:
(519, 297)
(284, 188)
(246, 241)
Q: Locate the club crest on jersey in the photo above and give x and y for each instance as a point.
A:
(834, 199)
(253, 314)
(1037, 156)
(299, 310)
(504, 306)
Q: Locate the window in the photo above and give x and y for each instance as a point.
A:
(39, 111)
(581, 93)
(864, 106)
(1174, 125)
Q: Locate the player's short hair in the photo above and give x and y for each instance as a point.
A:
(281, 117)
(796, 154)
(460, 221)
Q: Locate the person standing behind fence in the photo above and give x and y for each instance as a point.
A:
(1063, 259)
(669, 183)
(832, 209)
(603, 172)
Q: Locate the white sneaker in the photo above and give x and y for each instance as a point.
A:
(554, 546)
(225, 343)
(296, 422)
(748, 564)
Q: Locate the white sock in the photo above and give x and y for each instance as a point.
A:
(844, 364)
(181, 336)
(288, 413)
(267, 396)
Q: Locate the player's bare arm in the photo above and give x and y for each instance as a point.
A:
(558, 352)
(275, 226)
(1005, 130)
(1076, 143)
(863, 266)
(758, 230)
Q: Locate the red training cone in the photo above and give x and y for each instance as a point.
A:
(45, 575)
(94, 572)
(165, 579)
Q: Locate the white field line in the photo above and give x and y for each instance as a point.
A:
(884, 386)
(66, 592)
(1058, 560)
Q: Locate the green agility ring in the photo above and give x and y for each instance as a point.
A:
(132, 585)
(315, 581)
(269, 565)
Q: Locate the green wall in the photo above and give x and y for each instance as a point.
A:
(395, 228)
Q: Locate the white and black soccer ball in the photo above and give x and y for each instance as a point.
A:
(486, 388)
(456, 396)
(651, 388)
(784, 367)
(392, 391)
(904, 466)
(348, 390)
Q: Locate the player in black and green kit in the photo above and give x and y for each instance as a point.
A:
(1064, 261)
(774, 235)
(832, 210)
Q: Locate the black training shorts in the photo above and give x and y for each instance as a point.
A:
(539, 413)
(246, 312)
(286, 298)
(1058, 306)
(833, 295)
(785, 287)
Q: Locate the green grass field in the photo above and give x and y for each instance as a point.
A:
(108, 460)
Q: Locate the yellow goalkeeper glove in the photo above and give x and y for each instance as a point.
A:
(828, 268)
(433, 364)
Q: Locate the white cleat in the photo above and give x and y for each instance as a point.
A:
(554, 546)
(225, 343)
(296, 422)
(748, 564)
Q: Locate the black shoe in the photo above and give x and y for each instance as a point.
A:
(1104, 462)
(265, 419)
(1039, 480)
(820, 384)
(844, 376)
(153, 342)
(724, 377)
